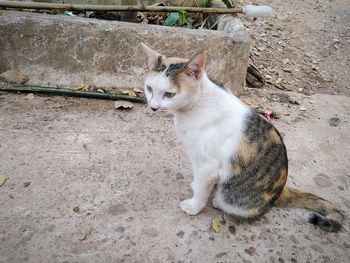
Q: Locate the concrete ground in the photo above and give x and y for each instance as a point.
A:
(105, 185)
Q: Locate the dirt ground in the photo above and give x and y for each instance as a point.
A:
(304, 46)
(105, 185)
(89, 183)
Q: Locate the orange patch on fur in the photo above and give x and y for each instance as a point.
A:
(173, 60)
(266, 196)
(186, 84)
(282, 179)
(246, 151)
(274, 136)
(283, 197)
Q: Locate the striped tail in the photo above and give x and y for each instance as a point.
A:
(327, 216)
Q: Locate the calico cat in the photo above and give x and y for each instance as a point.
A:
(228, 143)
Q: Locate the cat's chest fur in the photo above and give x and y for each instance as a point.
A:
(213, 130)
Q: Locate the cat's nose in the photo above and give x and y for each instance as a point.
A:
(154, 109)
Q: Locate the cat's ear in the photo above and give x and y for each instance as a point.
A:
(195, 67)
(153, 57)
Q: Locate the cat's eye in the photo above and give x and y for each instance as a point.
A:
(149, 88)
(169, 94)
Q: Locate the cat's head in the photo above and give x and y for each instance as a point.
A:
(172, 83)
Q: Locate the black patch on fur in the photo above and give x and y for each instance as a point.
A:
(159, 67)
(173, 68)
(324, 223)
(314, 219)
(257, 175)
(217, 83)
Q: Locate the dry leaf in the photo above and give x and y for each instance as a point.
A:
(83, 87)
(137, 90)
(293, 101)
(264, 99)
(24, 211)
(3, 179)
(85, 235)
(215, 224)
(123, 105)
(129, 92)
(30, 96)
(247, 102)
(132, 93)
(125, 91)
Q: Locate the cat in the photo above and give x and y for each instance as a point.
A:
(228, 143)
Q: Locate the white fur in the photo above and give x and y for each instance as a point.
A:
(218, 202)
(209, 122)
(210, 132)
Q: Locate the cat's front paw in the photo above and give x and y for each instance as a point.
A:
(189, 207)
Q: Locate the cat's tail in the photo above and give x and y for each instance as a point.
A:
(328, 217)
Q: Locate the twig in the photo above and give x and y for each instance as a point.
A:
(196, 3)
(204, 21)
(74, 93)
(217, 22)
(140, 8)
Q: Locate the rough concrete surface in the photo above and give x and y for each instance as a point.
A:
(70, 51)
(105, 185)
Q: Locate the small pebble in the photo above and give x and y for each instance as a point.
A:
(180, 234)
(334, 122)
(220, 254)
(232, 230)
(294, 239)
(26, 184)
(250, 251)
(150, 231)
(179, 176)
(322, 180)
(120, 229)
(316, 248)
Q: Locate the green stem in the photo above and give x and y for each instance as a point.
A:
(74, 93)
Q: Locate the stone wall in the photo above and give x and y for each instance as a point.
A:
(69, 51)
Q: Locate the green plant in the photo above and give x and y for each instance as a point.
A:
(205, 3)
(182, 17)
(177, 17)
(171, 19)
(228, 3)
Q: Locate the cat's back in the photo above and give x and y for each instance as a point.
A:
(259, 164)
